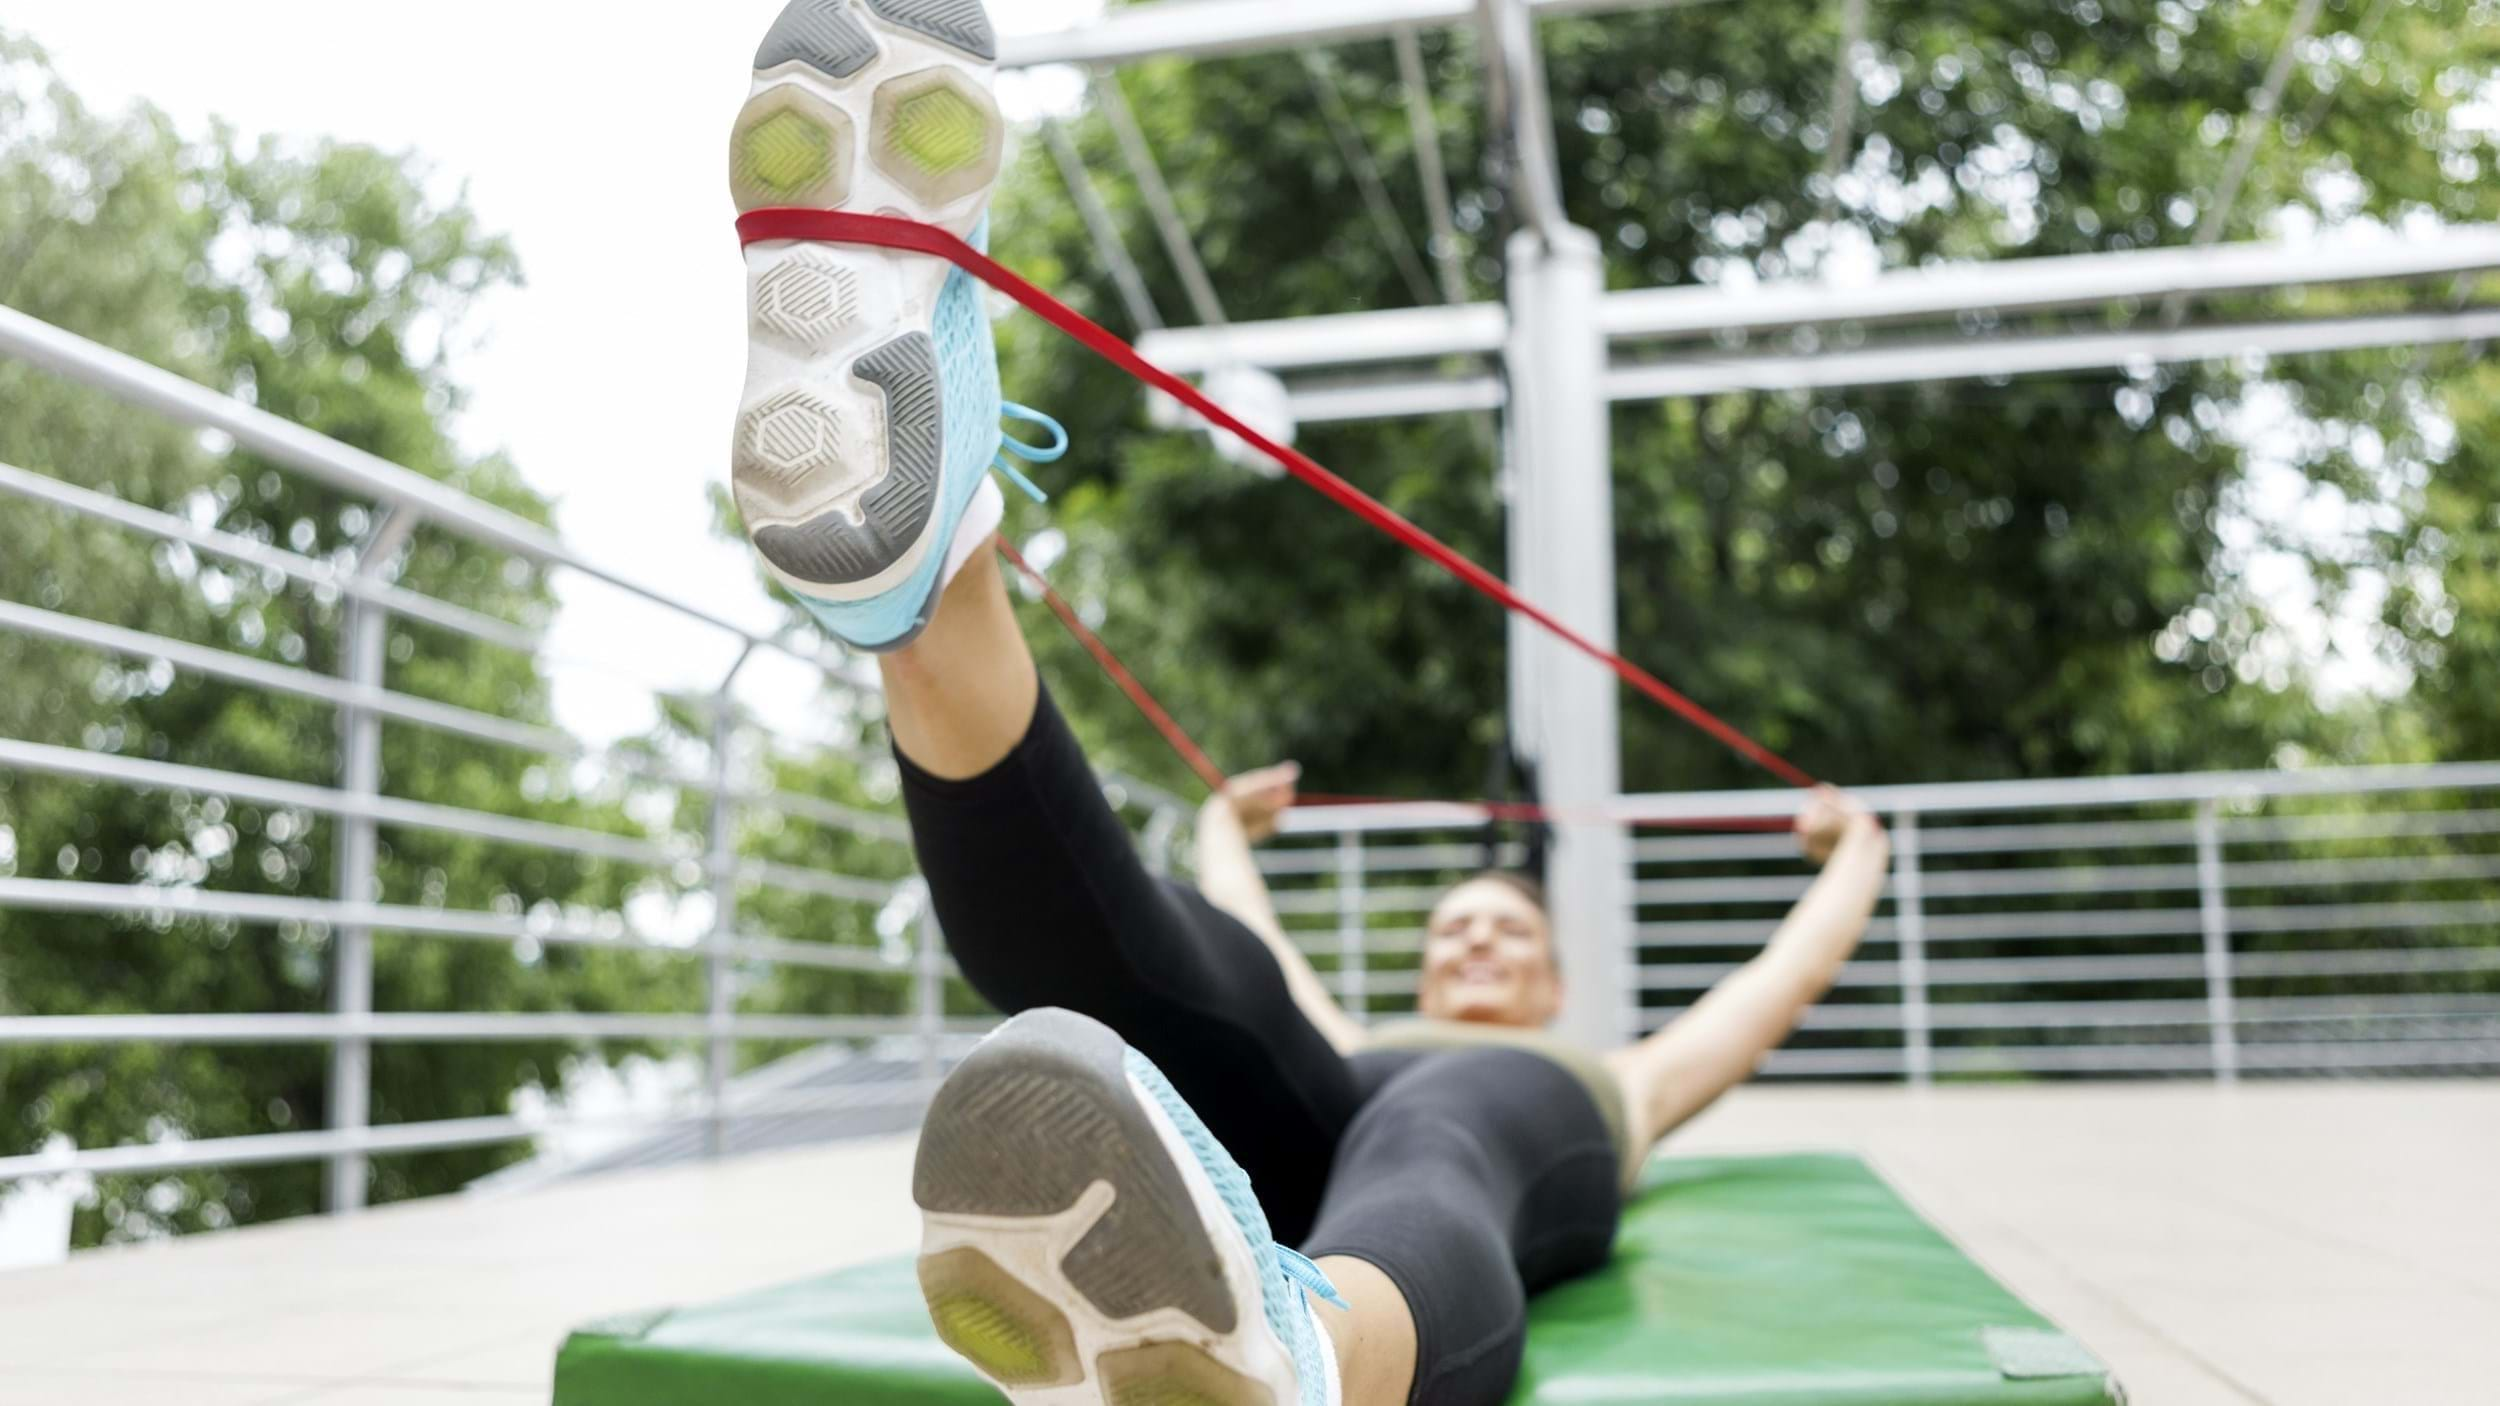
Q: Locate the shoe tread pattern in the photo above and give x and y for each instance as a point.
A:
(836, 551)
(965, 24)
(827, 35)
(1030, 1122)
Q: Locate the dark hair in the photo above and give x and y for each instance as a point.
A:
(1518, 883)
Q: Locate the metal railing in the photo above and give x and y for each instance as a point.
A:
(701, 862)
(2252, 923)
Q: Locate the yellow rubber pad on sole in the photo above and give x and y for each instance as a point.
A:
(992, 1321)
(789, 148)
(938, 135)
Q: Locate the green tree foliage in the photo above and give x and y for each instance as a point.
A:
(323, 283)
(1961, 581)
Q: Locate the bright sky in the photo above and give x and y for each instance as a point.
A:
(600, 146)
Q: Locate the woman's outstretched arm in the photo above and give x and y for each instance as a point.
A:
(1245, 812)
(1717, 1044)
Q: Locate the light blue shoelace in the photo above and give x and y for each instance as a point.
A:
(1050, 453)
(1301, 1271)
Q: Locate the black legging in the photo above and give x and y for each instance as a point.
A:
(1471, 1178)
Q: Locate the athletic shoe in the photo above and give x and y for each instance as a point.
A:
(871, 416)
(1085, 1239)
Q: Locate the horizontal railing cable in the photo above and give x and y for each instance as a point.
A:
(273, 1149)
(420, 1028)
(422, 712)
(261, 556)
(341, 466)
(476, 824)
(568, 930)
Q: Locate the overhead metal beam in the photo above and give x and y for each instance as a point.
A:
(1944, 291)
(2031, 356)
(1334, 339)
(1212, 28)
(1973, 359)
(1337, 402)
(2050, 284)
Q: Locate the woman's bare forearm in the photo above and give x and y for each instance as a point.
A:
(1823, 931)
(1228, 874)
(1228, 869)
(1718, 1044)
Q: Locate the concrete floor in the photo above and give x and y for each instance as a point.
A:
(2296, 1245)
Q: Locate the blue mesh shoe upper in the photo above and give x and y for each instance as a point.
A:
(967, 356)
(1287, 1275)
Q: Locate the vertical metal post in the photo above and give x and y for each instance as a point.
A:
(1909, 906)
(1632, 1012)
(2213, 882)
(1566, 708)
(721, 871)
(1352, 992)
(364, 658)
(1161, 828)
(929, 995)
(351, 994)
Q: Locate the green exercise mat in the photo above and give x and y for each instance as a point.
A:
(1782, 1281)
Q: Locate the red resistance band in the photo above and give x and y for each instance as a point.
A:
(1523, 813)
(1173, 733)
(1214, 777)
(886, 232)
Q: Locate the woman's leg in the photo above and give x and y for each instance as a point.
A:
(1470, 1181)
(961, 697)
(1045, 903)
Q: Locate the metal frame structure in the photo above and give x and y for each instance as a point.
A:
(1201, 29)
(1940, 293)
(1558, 335)
(1655, 330)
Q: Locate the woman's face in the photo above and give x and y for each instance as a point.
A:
(1489, 959)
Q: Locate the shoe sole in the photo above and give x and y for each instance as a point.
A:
(876, 105)
(1067, 1250)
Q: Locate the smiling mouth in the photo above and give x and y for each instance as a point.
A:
(1481, 972)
